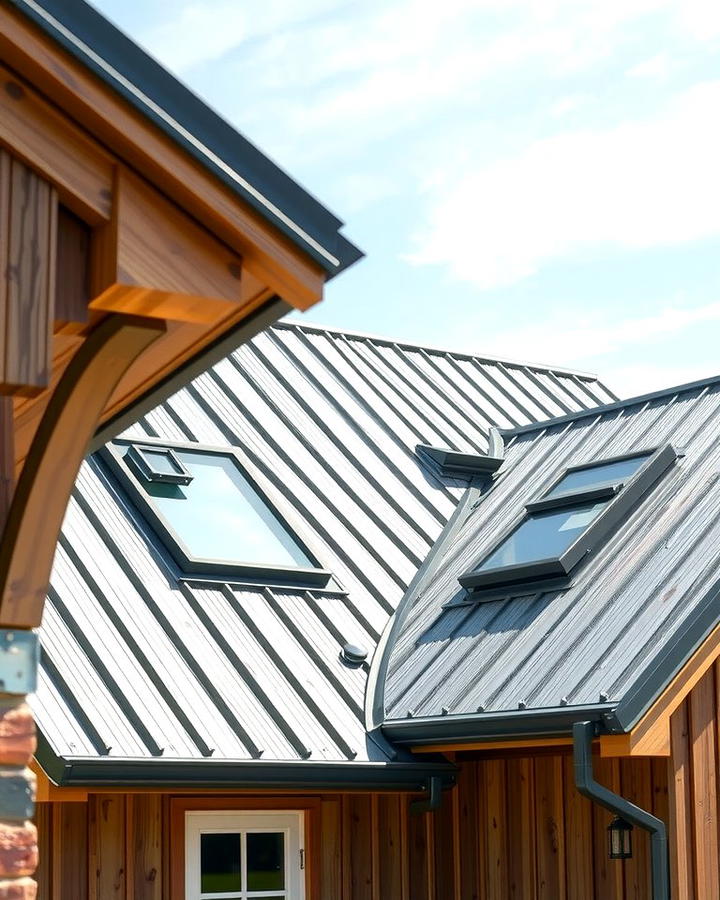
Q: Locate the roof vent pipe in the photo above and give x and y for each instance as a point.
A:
(353, 656)
(583, 734)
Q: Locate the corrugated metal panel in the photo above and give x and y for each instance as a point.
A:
(625, 604)
(139, 662)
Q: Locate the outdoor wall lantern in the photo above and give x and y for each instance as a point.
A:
(620, 839)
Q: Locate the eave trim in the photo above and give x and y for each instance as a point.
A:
(531, 723)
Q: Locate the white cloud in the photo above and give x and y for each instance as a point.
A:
(596, 334)
(657, 66)
(640, 184)
(636, 379)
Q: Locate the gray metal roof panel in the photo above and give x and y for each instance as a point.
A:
(630, 601)
(211, 666)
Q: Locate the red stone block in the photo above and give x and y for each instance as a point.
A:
(18, 849)
(17, 735)
(18, 889)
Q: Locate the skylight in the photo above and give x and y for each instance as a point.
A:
(210, 515)
(567, 522)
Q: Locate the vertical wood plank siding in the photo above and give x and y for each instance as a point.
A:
(513, 829)
(28, 245)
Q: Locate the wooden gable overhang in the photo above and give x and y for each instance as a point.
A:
(129, 254)
(103, 214)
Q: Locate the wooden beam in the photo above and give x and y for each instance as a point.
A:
(153, 260)
(49, 143)
(72, 281)
(28, 241)
(48, 476)
(272, 257)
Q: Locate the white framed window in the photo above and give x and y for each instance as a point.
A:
(243, 855)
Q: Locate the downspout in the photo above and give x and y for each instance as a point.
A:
(583, 734)
(433, 799)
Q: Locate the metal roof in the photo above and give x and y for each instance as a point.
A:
(131, 72)
(142, 663)
(635, 611)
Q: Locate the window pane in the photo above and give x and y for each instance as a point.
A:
(598, 476)
(265, 861)
(220, 863)
(161, 461)
(544, 535)
(220, 516)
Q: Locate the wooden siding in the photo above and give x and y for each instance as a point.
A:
(693, 792)
(28, 240)
(514, 829)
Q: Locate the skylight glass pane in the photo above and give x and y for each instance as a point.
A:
(603, 475)
(545, 535)
(161, 461)
(219, 516)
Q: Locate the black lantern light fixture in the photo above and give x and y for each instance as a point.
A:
(620, 839)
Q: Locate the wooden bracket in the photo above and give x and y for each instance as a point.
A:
(43, 489)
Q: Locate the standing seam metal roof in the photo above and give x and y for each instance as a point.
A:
(635, 606)
(142, 662)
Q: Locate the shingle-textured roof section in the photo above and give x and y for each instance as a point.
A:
(634, 612)
(138, 661)
(131, 72)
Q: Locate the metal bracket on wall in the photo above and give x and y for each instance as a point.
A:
(19, 660)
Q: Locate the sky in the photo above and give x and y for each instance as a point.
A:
(532, 179)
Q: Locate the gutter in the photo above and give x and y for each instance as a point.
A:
(163, 774)
(583, 734)
(530, 723)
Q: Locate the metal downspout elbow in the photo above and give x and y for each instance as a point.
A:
(583, 734)
(433, 799)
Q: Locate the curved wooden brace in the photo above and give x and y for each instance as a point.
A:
(59, 446)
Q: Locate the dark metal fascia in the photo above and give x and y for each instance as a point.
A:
(166, 774)
(375, 691)
(531, 723)
(191, 124)
(258, 320)
(612, 407)
(670, 659)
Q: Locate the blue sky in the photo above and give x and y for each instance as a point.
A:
(536, 179)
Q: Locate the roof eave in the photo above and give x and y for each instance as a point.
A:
(173, 774)
(524, 724)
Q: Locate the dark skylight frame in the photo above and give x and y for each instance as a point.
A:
(144, 460)
(616, 497)
(140, 490)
